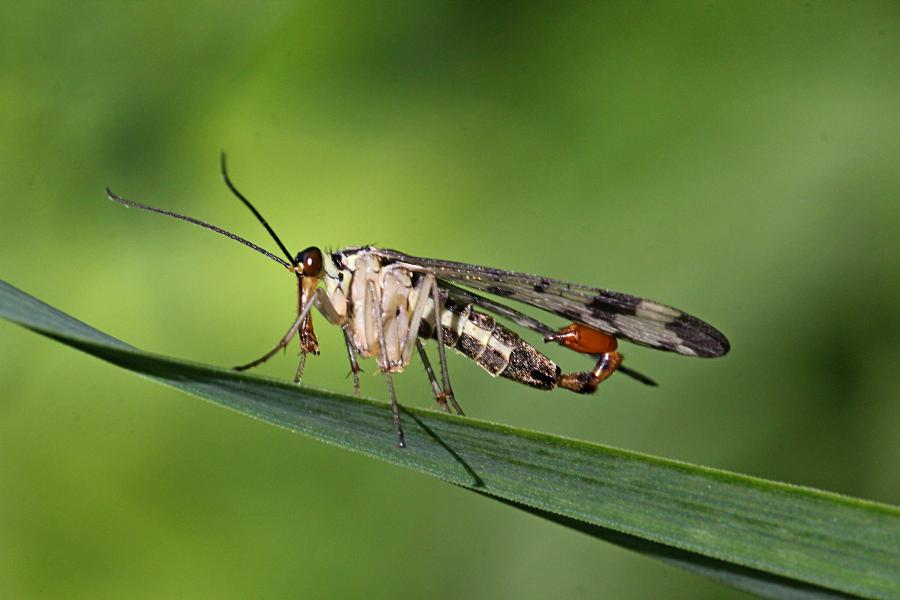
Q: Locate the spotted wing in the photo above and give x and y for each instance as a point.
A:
(637, 320)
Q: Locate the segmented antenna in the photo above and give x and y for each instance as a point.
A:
(237, 238)
(255, 212)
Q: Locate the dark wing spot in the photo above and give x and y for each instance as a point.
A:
(704, 339)
(614, 302)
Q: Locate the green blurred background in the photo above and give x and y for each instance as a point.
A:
(737, 161)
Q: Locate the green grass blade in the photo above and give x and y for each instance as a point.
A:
(767, 537)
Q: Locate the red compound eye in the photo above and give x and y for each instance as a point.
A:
(310, 260)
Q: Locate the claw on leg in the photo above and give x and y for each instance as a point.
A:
(443, 399)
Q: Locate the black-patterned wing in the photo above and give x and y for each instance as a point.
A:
(463, 296)
(637, 320)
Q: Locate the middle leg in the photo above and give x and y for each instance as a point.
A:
(374, 300)
(354, 363)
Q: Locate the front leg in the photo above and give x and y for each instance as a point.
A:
(291, 332)
(325, 306)
(308, 341)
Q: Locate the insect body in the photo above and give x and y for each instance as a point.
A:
(388, 302)
(408, 296)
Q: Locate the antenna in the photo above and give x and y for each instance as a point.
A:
(132, 204)
(246, 202)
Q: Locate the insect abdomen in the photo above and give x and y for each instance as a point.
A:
(495, 348)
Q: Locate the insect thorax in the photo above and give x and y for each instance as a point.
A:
(356, 281)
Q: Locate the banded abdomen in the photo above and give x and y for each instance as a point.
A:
(495, 348)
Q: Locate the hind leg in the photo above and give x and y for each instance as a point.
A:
(435, 386)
